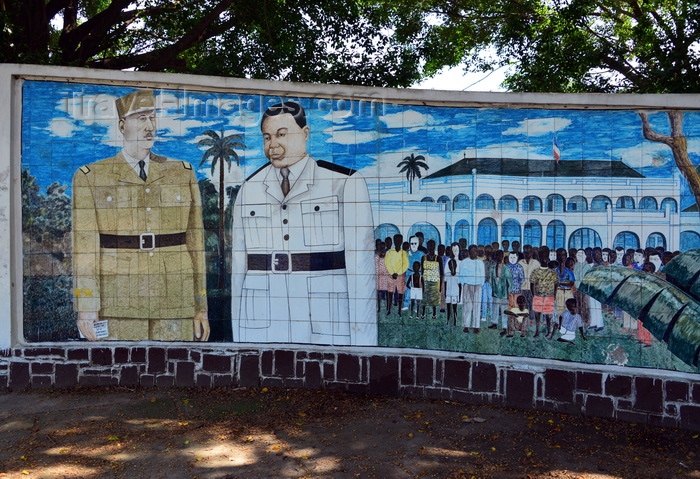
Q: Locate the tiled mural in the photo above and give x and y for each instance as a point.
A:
(171, 215)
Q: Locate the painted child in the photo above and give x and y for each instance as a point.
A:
(453, 293)
(518, 317)
(570, 321)
(544, 287)
(415, 284)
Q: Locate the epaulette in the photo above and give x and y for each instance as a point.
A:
(186, 165)
(258, 170)
(85, 169)
(337, 168)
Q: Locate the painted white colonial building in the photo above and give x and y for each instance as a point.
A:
(565, 204)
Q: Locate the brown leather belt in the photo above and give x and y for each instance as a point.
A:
(286, 262)
(144, 241)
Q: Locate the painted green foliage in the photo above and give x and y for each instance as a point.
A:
(667, 311)
(221, 149)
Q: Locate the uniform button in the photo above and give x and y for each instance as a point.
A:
(252, 213)
(148, 229)
(109, 198)
(148, 209)
(284, 207)
(286, 237)
(177, 198)
(285, 221)
(150, 254)
(148, 190)
(316, 208)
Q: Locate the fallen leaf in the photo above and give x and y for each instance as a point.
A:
(474, 420)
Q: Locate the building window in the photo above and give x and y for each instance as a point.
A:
(461, 202)
(627, 240)
(508, 203)
(555, 203)
(385, 230)
(600, 203)
(427, 199)
(655, 240)
(625, 203)
(444, 199)
(485, 202)
(532, 203)
(533, 233)
(429, 231)
(577, 203)
(462, 230)
(585, 238)
(648, 203)
(669, 203)
(510, 230)
(689, 240)
(556, 234)
(487, 232)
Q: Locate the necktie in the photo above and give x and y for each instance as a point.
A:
(285, 180)
(142, 172)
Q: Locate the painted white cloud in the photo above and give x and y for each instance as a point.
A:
(351, 137)
(62, 127)
(407, 119)
(641, 155)
(538, 126)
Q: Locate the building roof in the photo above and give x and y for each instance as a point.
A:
(538, 168)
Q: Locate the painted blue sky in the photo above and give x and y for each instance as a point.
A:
(68, 125)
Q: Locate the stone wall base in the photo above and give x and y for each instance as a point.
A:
(648, 397)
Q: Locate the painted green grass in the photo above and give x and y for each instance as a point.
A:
(609, 346)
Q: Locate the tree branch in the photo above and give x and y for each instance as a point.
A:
(200, 32)
(652, 135)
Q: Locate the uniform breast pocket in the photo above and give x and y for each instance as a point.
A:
(321, 221)
(256, 221)
(112, 196)
(174, 195)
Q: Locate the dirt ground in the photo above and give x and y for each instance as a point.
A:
(246, 433)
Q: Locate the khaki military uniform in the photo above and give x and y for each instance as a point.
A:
(138, 248)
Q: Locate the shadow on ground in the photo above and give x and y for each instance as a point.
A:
(232, 433)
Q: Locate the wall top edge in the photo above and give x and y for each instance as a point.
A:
(398, 95)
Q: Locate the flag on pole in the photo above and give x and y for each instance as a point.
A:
(555, 148)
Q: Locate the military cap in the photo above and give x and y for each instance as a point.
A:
(135, 102)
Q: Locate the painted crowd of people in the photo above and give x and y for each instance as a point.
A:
(506, 287)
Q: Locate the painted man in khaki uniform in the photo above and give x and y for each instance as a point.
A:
(138, 241)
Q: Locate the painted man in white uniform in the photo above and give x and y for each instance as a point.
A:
(303, 264)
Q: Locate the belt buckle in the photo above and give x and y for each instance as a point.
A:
(281, 262)
(143, 238)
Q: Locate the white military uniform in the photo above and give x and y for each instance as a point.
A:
(303, 265)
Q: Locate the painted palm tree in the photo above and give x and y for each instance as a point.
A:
(411, 166)
(221, 150)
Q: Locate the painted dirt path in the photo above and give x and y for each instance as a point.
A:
(232, 433)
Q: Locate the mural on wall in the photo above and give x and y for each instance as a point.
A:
(173, 215)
